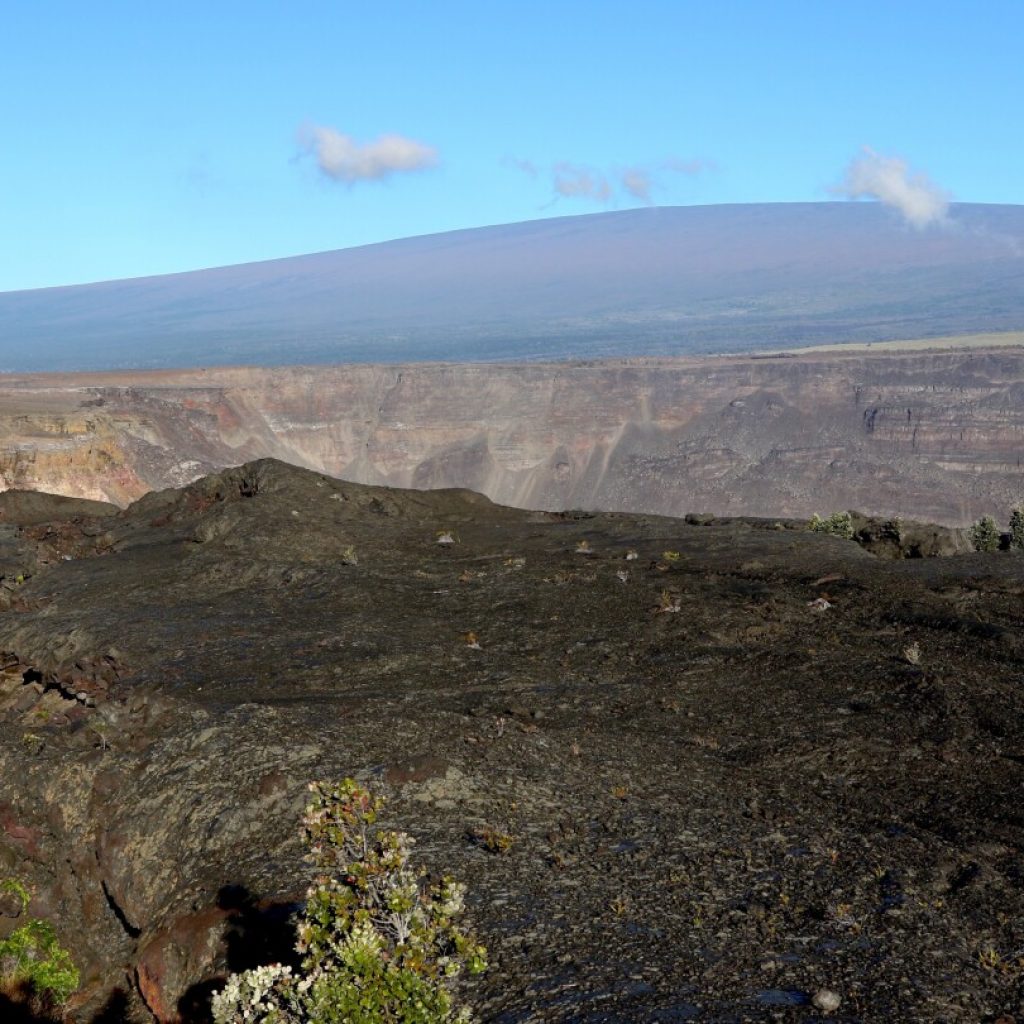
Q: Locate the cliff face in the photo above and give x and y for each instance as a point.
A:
(933, 435)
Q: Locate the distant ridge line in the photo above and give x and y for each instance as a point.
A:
(658, 282)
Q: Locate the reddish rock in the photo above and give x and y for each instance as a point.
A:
(24, 836)
(416, 769)
(170, 963)
(273, 784)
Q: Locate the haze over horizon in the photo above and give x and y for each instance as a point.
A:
(147, 141)
(657, 281)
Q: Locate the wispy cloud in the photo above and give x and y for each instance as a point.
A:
(526, 166)
(575, 182)
(570, 180)
(889, 180)
(637, 182)
(341, 158)
(691, 167)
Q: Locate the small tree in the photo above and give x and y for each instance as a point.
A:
(1017, 528)
(377, 945)
(985, 534)
(839, 523)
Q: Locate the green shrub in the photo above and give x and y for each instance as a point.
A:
(839, 523)
(33, 961)
(1017, 528)
(377, 945)
(985, 534)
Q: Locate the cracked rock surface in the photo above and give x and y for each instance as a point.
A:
(738, 764)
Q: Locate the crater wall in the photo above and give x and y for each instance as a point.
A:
(935, 435)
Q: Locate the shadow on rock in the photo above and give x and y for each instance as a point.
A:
(115, 1010)
(258, 933)
(19, 1007)
(16, 1011)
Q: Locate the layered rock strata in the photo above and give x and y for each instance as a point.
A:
(931, 435)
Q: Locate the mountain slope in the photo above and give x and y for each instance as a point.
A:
(655, 281)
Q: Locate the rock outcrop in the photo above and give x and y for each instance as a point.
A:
(738, 762)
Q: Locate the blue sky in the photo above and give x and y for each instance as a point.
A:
(143, 138)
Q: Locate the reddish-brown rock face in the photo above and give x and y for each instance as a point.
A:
(933, 435)
(171, 961)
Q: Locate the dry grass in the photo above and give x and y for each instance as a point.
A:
(1000, 339)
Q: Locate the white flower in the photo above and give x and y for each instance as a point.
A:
(249, 996)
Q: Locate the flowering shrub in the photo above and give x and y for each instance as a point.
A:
(378, 946)
(33, 961)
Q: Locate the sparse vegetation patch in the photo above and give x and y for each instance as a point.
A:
(1017, 528)
(985, 534)
(33, 963)
(840, 524)
(378, 946)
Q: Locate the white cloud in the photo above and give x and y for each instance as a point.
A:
(889, 180)
(342, 158)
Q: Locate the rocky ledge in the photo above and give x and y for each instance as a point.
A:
(739, 771)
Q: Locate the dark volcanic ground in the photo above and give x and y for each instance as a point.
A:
(716, 811)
